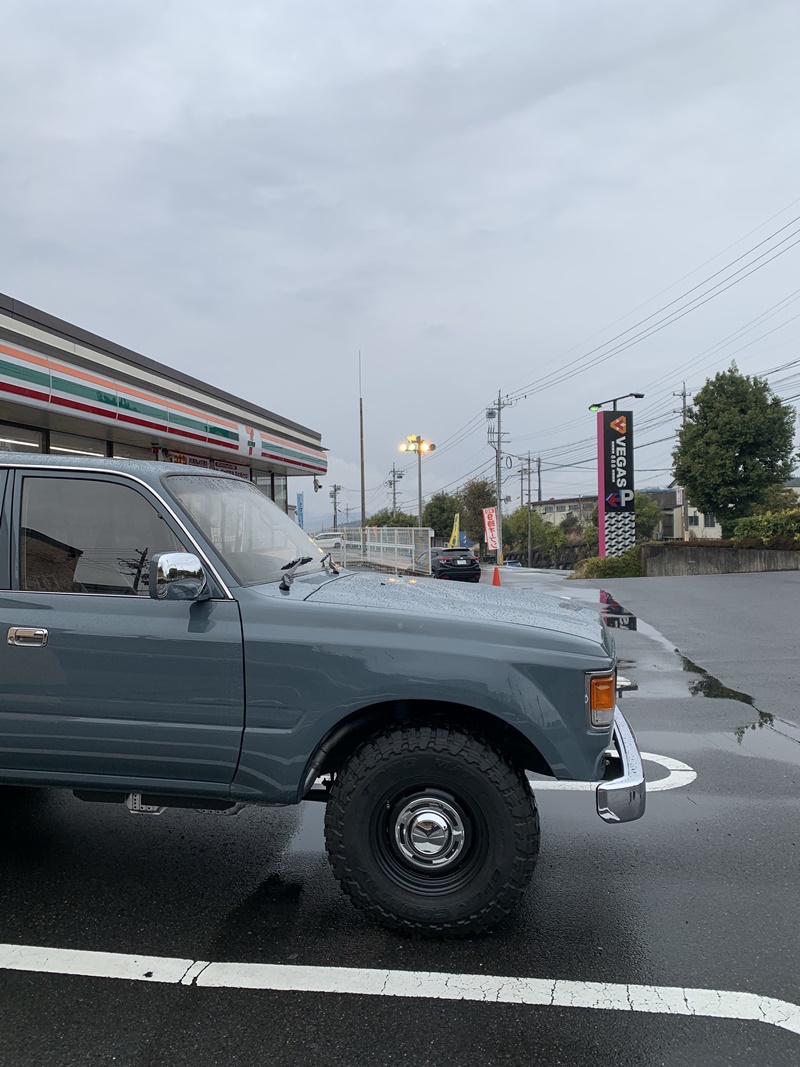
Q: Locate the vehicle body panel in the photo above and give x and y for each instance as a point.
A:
(329, 648)
(124, 686)
(131, 688)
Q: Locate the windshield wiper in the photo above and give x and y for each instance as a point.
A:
(289, 569)
(331, 566)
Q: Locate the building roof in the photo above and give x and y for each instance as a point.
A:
(31, 316)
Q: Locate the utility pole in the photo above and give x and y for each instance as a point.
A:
(683, 394)
(394, 478)
(496, 442)
(529, 509)
(334, 495)
(539, 478)
(361, 419)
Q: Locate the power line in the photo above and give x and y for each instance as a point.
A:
(717, 255)
(565, 373)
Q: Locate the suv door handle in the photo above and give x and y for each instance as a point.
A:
(26, 635)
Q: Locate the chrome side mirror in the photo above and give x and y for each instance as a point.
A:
(177, 576)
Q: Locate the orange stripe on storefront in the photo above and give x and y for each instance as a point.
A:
(112, 386)
(288, 444)
(40, 361)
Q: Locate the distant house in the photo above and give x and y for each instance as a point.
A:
(554, 511)
(700, 525)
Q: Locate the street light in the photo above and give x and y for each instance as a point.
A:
(596, 407)
(415, 443)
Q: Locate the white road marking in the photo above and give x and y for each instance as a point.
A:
(429, 985)
(680, 774)
(93, 964)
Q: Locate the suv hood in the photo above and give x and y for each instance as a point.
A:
(423, 597)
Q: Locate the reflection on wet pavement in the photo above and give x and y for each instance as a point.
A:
(615, 616)
(708, 686)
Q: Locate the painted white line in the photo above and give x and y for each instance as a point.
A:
(680, 774)
(194, 972)
(93, 964)
(428, 985)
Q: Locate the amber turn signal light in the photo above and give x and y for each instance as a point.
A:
(602, 694)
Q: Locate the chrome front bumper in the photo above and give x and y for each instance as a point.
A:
(621, 798)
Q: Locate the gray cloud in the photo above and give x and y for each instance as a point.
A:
(254, 190)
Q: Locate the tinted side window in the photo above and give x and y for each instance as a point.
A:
(86, 536)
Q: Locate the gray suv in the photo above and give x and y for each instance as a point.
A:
(172, 638)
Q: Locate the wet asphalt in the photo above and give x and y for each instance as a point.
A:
(703, 892)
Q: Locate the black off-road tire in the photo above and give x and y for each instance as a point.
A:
(412, 767)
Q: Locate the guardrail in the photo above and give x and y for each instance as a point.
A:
(393, 549)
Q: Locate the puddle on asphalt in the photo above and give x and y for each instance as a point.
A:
(617, 616)
(707, 685)
(310, 833)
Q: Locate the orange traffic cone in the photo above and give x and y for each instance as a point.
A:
(496, 578)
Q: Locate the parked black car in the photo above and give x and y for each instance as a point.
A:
(458, 564)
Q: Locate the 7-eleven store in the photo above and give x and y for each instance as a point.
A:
(66, 391)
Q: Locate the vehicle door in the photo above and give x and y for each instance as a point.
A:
(98, 681)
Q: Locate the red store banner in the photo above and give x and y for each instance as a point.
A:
(490, 528)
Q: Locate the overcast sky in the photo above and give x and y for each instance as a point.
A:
(465, 191)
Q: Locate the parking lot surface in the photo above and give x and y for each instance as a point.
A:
(700, 895)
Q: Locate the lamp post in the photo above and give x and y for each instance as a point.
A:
(596, 407)
(415, 443)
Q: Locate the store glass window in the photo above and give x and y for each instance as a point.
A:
(122, 451)
(68, 444)
(263, 482)
(20, 439)
(281, 490)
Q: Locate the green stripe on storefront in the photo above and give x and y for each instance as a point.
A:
(204, 427)
(76, 388)
(135, 407)
(290, 453)
(220, 431)
(24, 373)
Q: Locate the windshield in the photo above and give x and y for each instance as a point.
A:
(251, 533)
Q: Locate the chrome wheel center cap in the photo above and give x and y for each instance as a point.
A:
(429, 832)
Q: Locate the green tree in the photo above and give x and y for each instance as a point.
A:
(544, 536)
(384, 517)
(648, 516)
(515, 529)
(736, 446)
(570, 526)
(476, 495)
(439, 513)
(779, 498)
